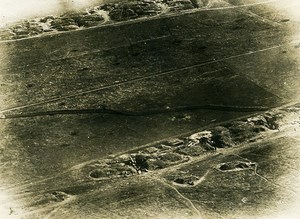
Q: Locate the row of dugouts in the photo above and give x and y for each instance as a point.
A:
(110, 12)
(181, 150)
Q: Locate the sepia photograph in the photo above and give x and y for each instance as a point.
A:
(150, 109)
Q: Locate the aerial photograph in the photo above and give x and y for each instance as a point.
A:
(149, 109)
